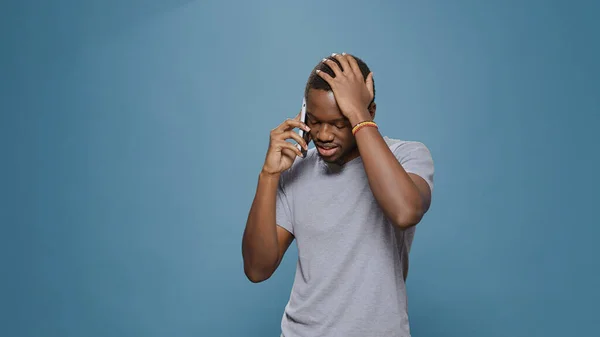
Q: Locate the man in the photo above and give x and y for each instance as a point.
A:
(352, 205)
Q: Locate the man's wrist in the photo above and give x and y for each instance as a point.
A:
(268, 175)
(358, 117)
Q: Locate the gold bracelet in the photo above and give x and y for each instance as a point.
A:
(363, 124)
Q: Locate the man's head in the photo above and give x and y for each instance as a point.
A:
(329, 128)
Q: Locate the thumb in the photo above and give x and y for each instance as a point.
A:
(369, 84)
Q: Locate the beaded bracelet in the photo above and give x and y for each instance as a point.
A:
(363, 124)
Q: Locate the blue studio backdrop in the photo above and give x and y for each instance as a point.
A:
(132, 134)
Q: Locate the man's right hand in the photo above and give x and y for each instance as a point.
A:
(281, 153)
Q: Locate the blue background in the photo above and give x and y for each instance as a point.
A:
(132, 134)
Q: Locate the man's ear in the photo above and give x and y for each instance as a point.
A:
(372, 109)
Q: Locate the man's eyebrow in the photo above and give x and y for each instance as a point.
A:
(342, 119)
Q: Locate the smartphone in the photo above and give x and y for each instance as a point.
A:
(305, 135)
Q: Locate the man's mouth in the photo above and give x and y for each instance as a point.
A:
(327, 151)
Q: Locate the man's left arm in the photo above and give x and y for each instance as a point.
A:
(403, 196)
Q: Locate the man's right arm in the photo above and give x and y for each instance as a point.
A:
(264, 242)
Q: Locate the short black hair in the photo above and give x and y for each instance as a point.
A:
(316, 82)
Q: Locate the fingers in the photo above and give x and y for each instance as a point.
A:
(369, 84)
(353, 64)
(289, 153)
(285, 131)
(343, 60)
(349, 67)
(284, 147)
(292, 135)
(298, 139)
(290, 124)
(326, 77)
(334, 66)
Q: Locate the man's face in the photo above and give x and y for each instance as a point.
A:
(330, 131)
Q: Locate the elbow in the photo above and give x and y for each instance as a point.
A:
(257, 275)
(258, 266)
(408, 217)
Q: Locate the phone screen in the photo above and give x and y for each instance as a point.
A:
(305, 135)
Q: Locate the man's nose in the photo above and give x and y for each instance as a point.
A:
(324, 133)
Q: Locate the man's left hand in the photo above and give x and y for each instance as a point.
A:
(352, 93)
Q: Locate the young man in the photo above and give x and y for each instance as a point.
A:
(351, 204)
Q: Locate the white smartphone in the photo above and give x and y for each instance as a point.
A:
(305, 135)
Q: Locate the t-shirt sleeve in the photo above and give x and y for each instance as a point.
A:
(416, 158)
(283, 214)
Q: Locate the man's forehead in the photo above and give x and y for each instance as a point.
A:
(327, 117)
(323, 102)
